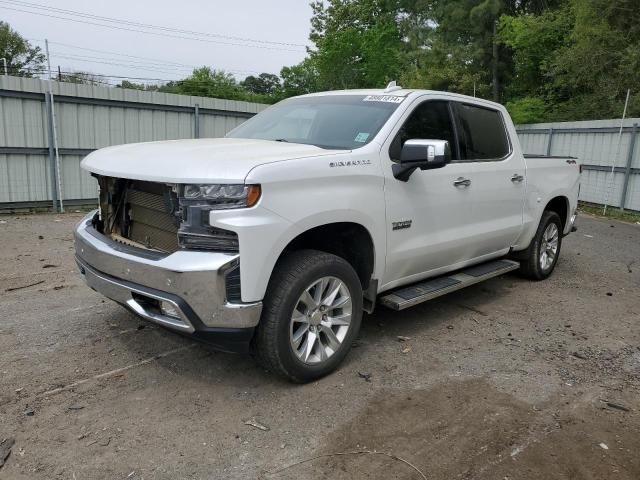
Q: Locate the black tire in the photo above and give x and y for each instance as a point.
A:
(530, 263)
(292, 275)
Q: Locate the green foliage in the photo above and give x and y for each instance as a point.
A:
(23, 59)
(589, 76)
(546, 60)
(612, 212)
(207, 82)
(137, 86)
(84, 78)
(527, 110)
(299, 79)
(358, 43)
(263, 84)
(531, 39)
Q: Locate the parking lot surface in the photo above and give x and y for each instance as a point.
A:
(508, 379)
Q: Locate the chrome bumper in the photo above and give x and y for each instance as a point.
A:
(191, 283)
(571, 226)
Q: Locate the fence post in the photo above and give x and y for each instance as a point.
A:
(196, 122)
(53, 167)
(627, 172)
(549, 141)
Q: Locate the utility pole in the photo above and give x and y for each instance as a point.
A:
(6, 71)
(55, 136)
(613, 163)
(59, 74)
(494, 63)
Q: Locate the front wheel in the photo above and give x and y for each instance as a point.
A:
(541, 257)
(311, 315)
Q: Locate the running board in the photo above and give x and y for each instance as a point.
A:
(411, 295)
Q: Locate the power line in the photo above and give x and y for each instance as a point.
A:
(118, 64)
(147, 32)
(134, 63)
(149, 68)
(150, 79)
(146, 25)
(116, 53)
(155, 62)
(130, 63)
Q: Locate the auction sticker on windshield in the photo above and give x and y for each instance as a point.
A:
(383, 98)
(361, 137)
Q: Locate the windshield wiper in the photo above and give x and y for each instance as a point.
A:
(281, 140)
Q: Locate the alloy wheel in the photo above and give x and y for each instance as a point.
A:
(549, 246)
(321, 320)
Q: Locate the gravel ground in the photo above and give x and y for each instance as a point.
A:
(507, 379)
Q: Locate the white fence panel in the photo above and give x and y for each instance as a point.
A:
(87, 118)
(595, 144)
(90, 117)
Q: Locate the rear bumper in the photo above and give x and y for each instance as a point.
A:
(571, 225)
(191, 285)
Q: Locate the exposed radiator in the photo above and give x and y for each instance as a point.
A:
(151, 223)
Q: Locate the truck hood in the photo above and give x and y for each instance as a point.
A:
(208, 160)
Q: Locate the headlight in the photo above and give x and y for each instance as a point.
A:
(223, 196)
(197, 201)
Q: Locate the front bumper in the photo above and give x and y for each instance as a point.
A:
(192, 284)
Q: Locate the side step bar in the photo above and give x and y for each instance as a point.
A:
(411, 295)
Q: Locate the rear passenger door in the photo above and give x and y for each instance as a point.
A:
(498, 183)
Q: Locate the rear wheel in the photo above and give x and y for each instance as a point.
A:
(539, 260)
(312, 314)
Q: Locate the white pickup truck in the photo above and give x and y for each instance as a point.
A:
(275, 239)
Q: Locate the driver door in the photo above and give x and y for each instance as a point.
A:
(429, 217)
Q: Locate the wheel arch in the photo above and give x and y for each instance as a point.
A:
(560, 205)
(348, 240)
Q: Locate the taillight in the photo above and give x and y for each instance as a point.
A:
(572, 161)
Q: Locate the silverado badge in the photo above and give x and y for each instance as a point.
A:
(401, 224)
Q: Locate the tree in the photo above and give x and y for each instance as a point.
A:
(85, 78)
(299, 79)
(358, 43)
(206, 82)
(533, 39)
(574, 62)
(23, 59)
(263, 84)
(137, 86)
(588, 77)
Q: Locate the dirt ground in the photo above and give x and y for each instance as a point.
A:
(507, 379)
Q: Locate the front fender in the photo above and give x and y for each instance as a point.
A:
(309, 193)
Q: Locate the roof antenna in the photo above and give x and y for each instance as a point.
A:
(392, 87)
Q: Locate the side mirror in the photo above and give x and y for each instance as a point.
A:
(422, 154)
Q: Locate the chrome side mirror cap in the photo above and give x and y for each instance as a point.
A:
(422, 154)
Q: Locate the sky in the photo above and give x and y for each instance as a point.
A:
(243, 37)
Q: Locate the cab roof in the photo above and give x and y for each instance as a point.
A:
(403, 92)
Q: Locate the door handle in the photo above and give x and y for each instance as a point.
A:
(517, 178)
(462, 182)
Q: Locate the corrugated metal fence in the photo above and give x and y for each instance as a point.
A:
(595, 144)
(86, 118)
(90, 117)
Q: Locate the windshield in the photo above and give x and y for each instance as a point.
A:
(331, 121)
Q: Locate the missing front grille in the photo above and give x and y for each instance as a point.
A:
(144, 213)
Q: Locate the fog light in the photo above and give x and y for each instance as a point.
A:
(169, 309)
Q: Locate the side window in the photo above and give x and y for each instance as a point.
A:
(482, 133)
(430, 120)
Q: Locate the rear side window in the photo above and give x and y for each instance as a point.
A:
(481, 133)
